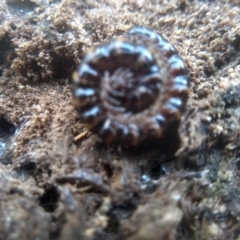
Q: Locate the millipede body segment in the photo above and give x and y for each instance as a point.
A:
(131, 89)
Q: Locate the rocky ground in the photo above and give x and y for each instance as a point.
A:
(54, 188)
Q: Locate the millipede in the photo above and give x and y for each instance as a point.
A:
(131, 89)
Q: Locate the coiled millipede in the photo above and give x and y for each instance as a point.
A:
(131, 89)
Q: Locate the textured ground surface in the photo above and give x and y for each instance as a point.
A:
(53, 188)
